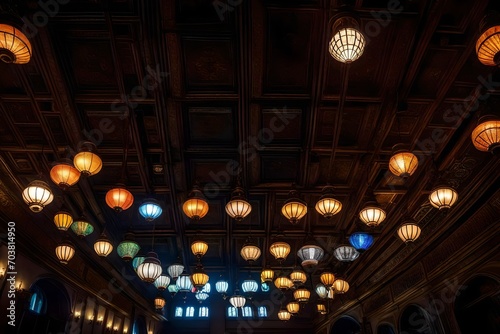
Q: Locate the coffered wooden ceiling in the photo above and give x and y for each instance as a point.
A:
(252, 85)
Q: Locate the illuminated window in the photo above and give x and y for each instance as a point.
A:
(247, 311)
(37, 301)
(178, 312)
(203, 312)
(232, 312)
(190, 312)
(262, 310)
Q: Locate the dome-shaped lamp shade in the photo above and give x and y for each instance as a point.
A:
(199, 277)
(302, 295)
(238, 207)
(327, 278)
(327, 205)
(340, 286)
(195, 207)
(298, 276)
(346, 253)
(361, 241)
(150, 269)
(14, 45)
(321, 308)
(293, 307)
(372, 215)
(162, 282)
(63, 220)
(488, 44)
(201, 296)
(119, 199)
(321, 291)
(199, 248)
(409, 231)
(82, 228)
(280, 250)
(65, 252)
(159, 303)
(103, 246)
(283, 283)
(221, 286)
(331, 293)
(88, 163)
(403, 163)
(150, 209)
(294, 209)
(137, 261)
(184, 283)
(443, 197)
(128, 248)
(249, 286)
(64, 175)
(486, 136)
(310, 255)
(250, 252)
(284, 315)
(173, 289)
(174, 270)
(37, 195)
(237, 301)
(347, 42)
(267, 275)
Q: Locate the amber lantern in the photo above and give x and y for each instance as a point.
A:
(37, 195)
(195, 207)
(283, 283)
(371, 214)
(302, 295)
(328, 279)
(443, 197)
(294, 208)
(159, 303)
(250, 252)
(199, 248)
(279, 250)
(119, 198)
(321, 308)
(403, 163)
(103, 247)
(65, 252)
(63, 220)
(298, 276)
(14, 45)
(409, 231)
(340, 286)
(267, 275)
(64, 175)
(199, 277)
(486, 136)
(327, 205)
(293, 307)
(284, 315)
(238, 207)
(347, 42)
(488, 44)
(86, 161)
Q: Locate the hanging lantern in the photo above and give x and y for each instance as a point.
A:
(267, 275)
(195, 207)
(65, 252)
(321, 291)
(340, 286)
(284, 315)
(201, 296)
(86, 161)
(331, 293)
(150, 209)
(173, 289)
(372, 215)
(409, 231)
(249, 286)
(294, 208)
(159, 303)
(347, 42)
(150, 269)
(310, 255)
(64, 175)
(361, 241)
(327, 278)
(280, 250)
(82, 227)
(302, 295)
(206, 288)
(237, 300)
(293, 307)
(346, 253)
(238, 207)
(137, 261)
(63, 220)
(443, 197)
(221, 286)
(488, 44)
(199, 248)
(103, 246)
(174, 270)
(37, 195)
(199, 277)
(119, 199)
(486, 136)
(250, 252)
(321, 308)
(162, 282)
(298, 276)
(184, 282)
(15, 47)
(128, 248)
(328, 206)
(283, 283)
(403, 163)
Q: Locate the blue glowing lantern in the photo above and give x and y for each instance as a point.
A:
(361, 241)
(150, 209)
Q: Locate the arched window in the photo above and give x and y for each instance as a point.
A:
(203, 312)
(262, 310)
(415, 320)
(139, 326)
(346, 325)
(385, 329)
(37, 301)
(232, 312)
(178, 312)
(190, 312)
(247, 311)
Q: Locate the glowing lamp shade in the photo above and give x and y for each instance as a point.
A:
(331, 293)
(488, 44)
(280, 250)
(340, 286)
(321, 308)
(150, 269)
(173, 288)
(267, 275)
(199, 277)
(159, 303)
(82, 228)
(249, 285)
(346, 253)
(310, 255)
(403, 163)
(128, 248)
(150, 209)
(65, 252)
(64, 175)
(88, 163)
(221, 286)
(486, 136)
(293, 307)
(103, 246)
(283, 283)
(347, 43)
(294, 209)
(361, 241)
(162, 282)
(298, 276)
(250, 252)
(174, 270)
(327, 205)
(201, 296)
(63, 220)
(302, 295)
(199, 248)
(237, 300)
(137, 261)
(443, 197)
(119, 199)
(238, 207)
(409, 231)
(327, 278)
(372, 215)
(184, 283)
(321, 291)
(14, 45)
(284, 315)
(195, 207)
(37, 195)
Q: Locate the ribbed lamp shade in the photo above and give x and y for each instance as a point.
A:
(327, 278)
(237, 300)
(159, 303)
(173, 288)
(37, 195)
(103, 246)
(283, 283)
(88, 163)
(201, 296)
(403, 163)
(150, 269)
(195, 207)
(346, 253)
(310, 255)
(294, 209)
(184, 282)
(409, 231)
(14, 45)
(238, 207)
(340, 286)
(119, 199)
(162, 282)
(82, 228)
(302, 295)
(488, 44)
(347, 42)
(372, 215)
(267, 275)
(298, 276)
(199, 248)
(150, 209)
(327, 205)
(293, 307)
(64, 175)
(128, 248)
(249, 285)
(321, 290)
(137, 261)
(443, 197)
(486, 136)
(65, 252)
(174, 270)
(284, 315)
(199, 277)
(321, 308)
(221, 286)
(250, 252)
(63, 220)
(280, 250)
(361, 241)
